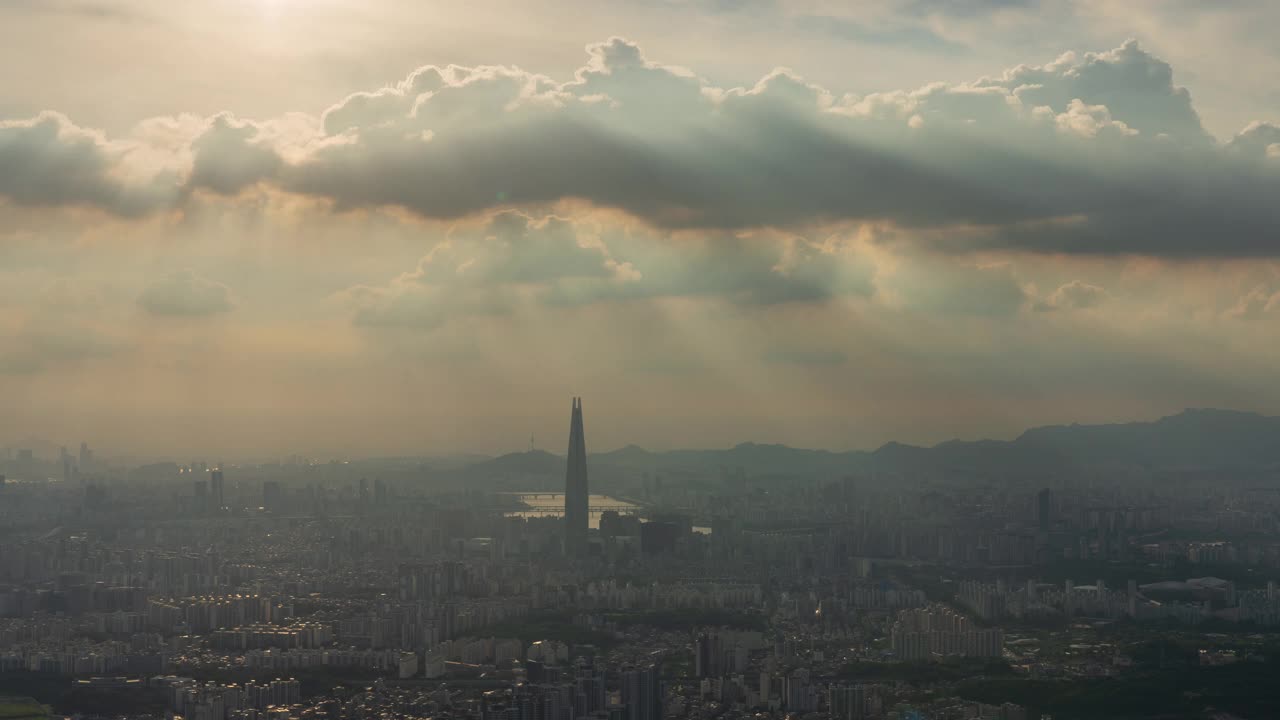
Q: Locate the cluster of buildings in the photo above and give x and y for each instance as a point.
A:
(937, 632)
(218, 701)
(1190, 601)
(582, 691)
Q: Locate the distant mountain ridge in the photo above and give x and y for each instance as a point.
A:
(1200, 437)
(1192, 439)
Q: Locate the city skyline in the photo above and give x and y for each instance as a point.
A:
(45, 450)
(998, 580)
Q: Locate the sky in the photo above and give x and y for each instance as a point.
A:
(251, 228)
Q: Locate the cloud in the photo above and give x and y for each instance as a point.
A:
(184, 294)
(1099, 153)
(49, 162)
(1089, 121)
(1075, 295)
(1135, 87)
(1256, 303)
(1259, 140)
(1101, 140)
(647, 139)
(484, 272)
(761, 268)
(227, 157)
(557, 261)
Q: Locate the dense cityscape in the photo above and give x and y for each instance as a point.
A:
(939, 583)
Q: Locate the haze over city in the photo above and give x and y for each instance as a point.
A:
(639, 360)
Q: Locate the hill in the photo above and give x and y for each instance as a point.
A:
(1193, 439)
(1197, 438)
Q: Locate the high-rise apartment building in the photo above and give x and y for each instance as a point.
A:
(642, 692)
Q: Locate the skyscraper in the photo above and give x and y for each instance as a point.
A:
(707, 651)
(848, 702)
(271, 496)
(217, 490)
(202, 496)
(1044, 508)
(86, 457)
(575, 486)
(67, 465)
(590, 693)
(642, 692)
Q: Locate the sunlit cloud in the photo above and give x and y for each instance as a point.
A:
(1107, 140)
(776, 259)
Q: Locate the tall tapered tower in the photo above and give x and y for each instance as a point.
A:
(575, 486)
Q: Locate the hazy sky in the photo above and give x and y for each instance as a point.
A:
(253, 227)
